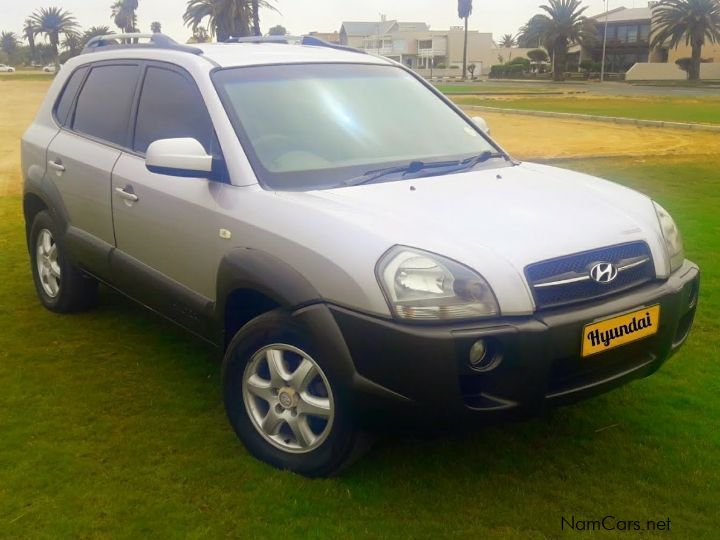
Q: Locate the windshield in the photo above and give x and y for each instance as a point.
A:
(314, 126)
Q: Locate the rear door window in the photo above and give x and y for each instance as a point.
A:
(62, 109)
(105, 102)
(171, 106)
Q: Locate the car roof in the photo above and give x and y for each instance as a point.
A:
(232, 54)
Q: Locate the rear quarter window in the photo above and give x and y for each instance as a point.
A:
(63, 105)
(104, 105)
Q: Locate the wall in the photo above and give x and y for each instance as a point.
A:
(684, 51)
(655, 72)
(711, 71)
(670, 72)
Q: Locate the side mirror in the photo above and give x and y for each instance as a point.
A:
(482, 124)
(179, 157)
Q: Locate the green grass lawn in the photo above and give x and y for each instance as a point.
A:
(670, 109)
(26, 76)
(500, 89)
(111, 425)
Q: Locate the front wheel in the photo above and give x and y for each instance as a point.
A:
(283, 402)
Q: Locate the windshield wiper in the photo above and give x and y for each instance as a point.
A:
(419, 166)
(471, 162)
(411, 168)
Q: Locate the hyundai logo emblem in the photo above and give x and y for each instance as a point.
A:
(603, 272)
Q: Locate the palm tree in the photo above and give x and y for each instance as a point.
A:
(507, 41)
(29, 33)
(73, 43)
(52, 22)
(155, 27)
(95, 31)
(530, 34)
(124, 16)
(256, 17)
(691, 21)
(9, 42)
(464, 12)
(563, 25)
(226, 18)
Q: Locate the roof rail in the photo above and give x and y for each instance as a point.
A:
(297, 40)
(317, 42)
(260, 39)
(122, 41)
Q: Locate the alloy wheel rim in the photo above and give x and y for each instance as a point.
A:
(288, 398)
(46, 259)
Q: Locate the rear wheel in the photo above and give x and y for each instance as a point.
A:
(282, 399)
(60, 286)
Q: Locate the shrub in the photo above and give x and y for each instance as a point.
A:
(587, 65)
(520, 61)
(497, 71)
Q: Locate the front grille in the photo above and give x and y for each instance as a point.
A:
(566, 280)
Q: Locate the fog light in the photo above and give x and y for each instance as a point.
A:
(478, 353)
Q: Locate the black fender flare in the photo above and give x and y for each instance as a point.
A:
(247, 268)
(253, 269)
(51, 198)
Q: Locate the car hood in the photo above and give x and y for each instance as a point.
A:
(498, 220)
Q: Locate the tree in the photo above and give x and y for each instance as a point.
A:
(256, 17)
(464, 12)
(9, 43)
(226, 18)
(29, 32)
(155, 27)
(200, 35)
(95, 31)
(561, 25)
(691, 21)
(278, 30)
(538, 56)
(507, 41)
(471, 68)
(52, 22)
(124, 16)
(73, 43)
(45, 53)
(530, 34)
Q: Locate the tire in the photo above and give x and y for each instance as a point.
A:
(333, 441)
(61, 287)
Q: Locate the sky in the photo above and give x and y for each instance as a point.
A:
(303, 16)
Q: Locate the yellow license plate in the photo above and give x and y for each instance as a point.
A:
(610, 333)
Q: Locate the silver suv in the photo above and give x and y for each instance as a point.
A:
(361, 250)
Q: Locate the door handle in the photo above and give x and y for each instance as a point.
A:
(125, 195)
(57, 165)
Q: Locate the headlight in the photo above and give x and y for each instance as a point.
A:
(424, 286)
(673, 239)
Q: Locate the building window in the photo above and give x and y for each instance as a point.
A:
(425, 44)
(644, 32)
(632, 34)
(622, 34)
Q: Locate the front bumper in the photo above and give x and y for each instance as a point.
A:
(412, 369)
